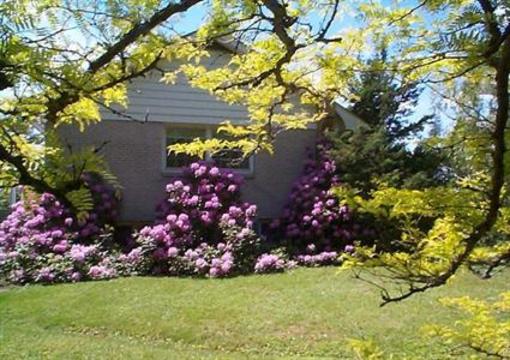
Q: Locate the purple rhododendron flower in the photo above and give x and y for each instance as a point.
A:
(16, 276)
(47, 238)
(321, 259)
(61, 247)
(45, 275)
(134, 255)
(80, 252)
(202, 228)
(101, 272)
(76, 276)
(200, 263)
(269, 263)
(172, 252)
(349, 248)
(214, 272)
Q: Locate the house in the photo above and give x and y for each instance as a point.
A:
(137, 150)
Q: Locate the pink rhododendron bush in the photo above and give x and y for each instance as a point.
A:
(314, 226)
(41, 241)
(203, 227)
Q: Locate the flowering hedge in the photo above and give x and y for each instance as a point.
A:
(203, 228)
(314, 225)
(41, 241)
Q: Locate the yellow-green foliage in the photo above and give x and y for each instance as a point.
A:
(48, 49)
(447, 227)
(426, 253)
(481, 330)
(484, 328)
(366, 350)
(429, 252)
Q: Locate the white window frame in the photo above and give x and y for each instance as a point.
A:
(209, 133)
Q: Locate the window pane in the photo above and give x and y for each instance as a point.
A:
(180, 135)
(230, 158)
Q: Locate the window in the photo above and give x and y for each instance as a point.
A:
(180, 135)
(231, 158)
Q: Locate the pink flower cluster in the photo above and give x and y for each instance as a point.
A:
(267, 263)
(36, 223)
(98, 272)
(207, 195)
(213, 261)
(80, 253)
(313, 215)
(321, 259)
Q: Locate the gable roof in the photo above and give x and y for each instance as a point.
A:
(352, 121)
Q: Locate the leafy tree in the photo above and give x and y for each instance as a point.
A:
(4, 201)
(466, 56)
(61, 60)
(461, 50)
(484, 331)
(366, 158)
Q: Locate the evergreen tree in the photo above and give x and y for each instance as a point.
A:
(379, 151)
(381, 100)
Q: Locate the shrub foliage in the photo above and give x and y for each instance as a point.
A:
(203, 227)
(315, 225)
(42, 241)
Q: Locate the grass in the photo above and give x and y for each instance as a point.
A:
(307, 313)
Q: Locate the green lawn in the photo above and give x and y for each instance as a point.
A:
(306, 313)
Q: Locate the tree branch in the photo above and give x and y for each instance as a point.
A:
(70, 96)
(502, 68)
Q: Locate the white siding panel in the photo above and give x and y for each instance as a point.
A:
(351, 120)
(189, 103)
(156, 85)
(187, 111)
(151, 99)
